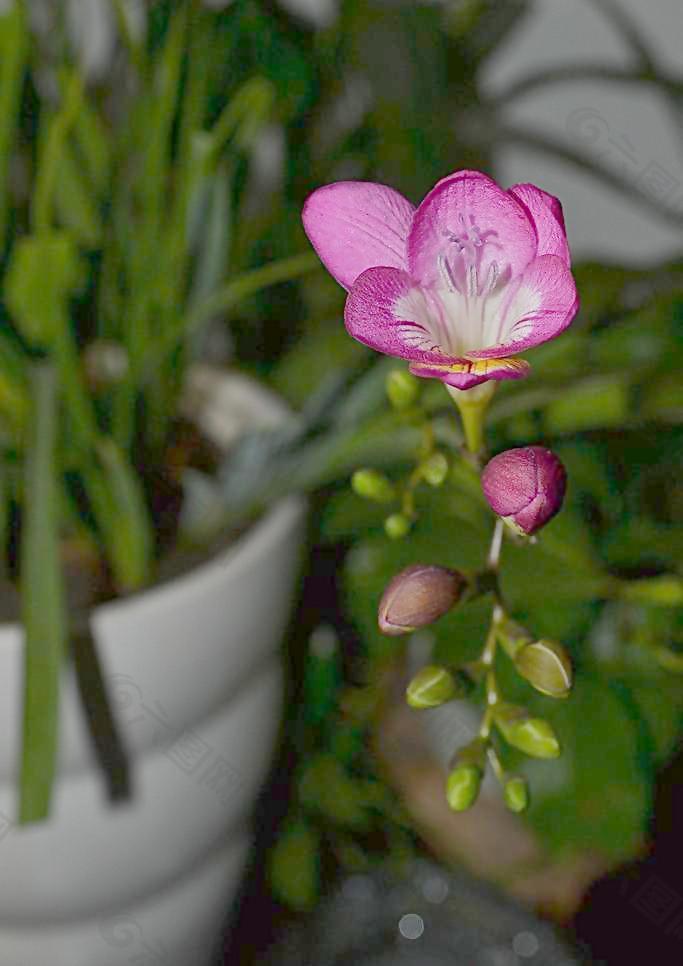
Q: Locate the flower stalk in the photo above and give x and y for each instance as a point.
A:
(457, 287)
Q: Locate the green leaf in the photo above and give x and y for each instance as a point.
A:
(588, 472)
(664, 399)
(222, 301)
(641, 541)
(326, 788)
(209, 221)
(94, 144)
(596, 403)
(666, 590)
(13, 51)
(42, 595)
(597, 796)
(601, 287)
(121, 512)
(322, 675)
(242, 117)
(294, 866)
(14, 395)
(661, 705)
(552, 586)
(51, 153)
(43, 273)
(299, 373)
(75, 204)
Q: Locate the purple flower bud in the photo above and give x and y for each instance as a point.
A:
(418, 596)
(525, 487)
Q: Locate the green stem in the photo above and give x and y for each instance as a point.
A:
(473, 425)
(488, 655)
(496, 764)
(473, 405)
(493, 561)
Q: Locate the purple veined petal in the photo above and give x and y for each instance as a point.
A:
(466, 373)
(546, 213)
(469, 209)
(542, 304)
(356, 225)
(386, 311)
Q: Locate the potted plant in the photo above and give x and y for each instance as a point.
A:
(126, 638)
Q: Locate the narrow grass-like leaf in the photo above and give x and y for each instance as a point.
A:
(14, 398)
(212, 254)
(241, 117)
(128, 528)
(74, 202)
(51, 155)
(13, 50)
(160, 115)
(225, 298)
(42, 600)
(94, 145)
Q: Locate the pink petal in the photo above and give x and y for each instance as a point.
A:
(456, 203)
(546, 213)
(386, 311)
(542, 304)
(354, 225)
(465, 373)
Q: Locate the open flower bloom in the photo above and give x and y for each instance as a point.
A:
(458, 285)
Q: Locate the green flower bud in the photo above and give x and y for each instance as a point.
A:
(417, 596)
(516, 792)
(546, 666)
(462, 786)
(396, 526)
(534, 736)
(402, 388)
(434, 470)
(431, 687)
(373, 486)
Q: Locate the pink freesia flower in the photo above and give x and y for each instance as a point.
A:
(458, 285)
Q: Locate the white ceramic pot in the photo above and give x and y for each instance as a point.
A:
(194, 669)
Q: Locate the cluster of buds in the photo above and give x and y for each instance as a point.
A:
(421, 594)
(467, 773)
(525, 488)
(431, 466)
